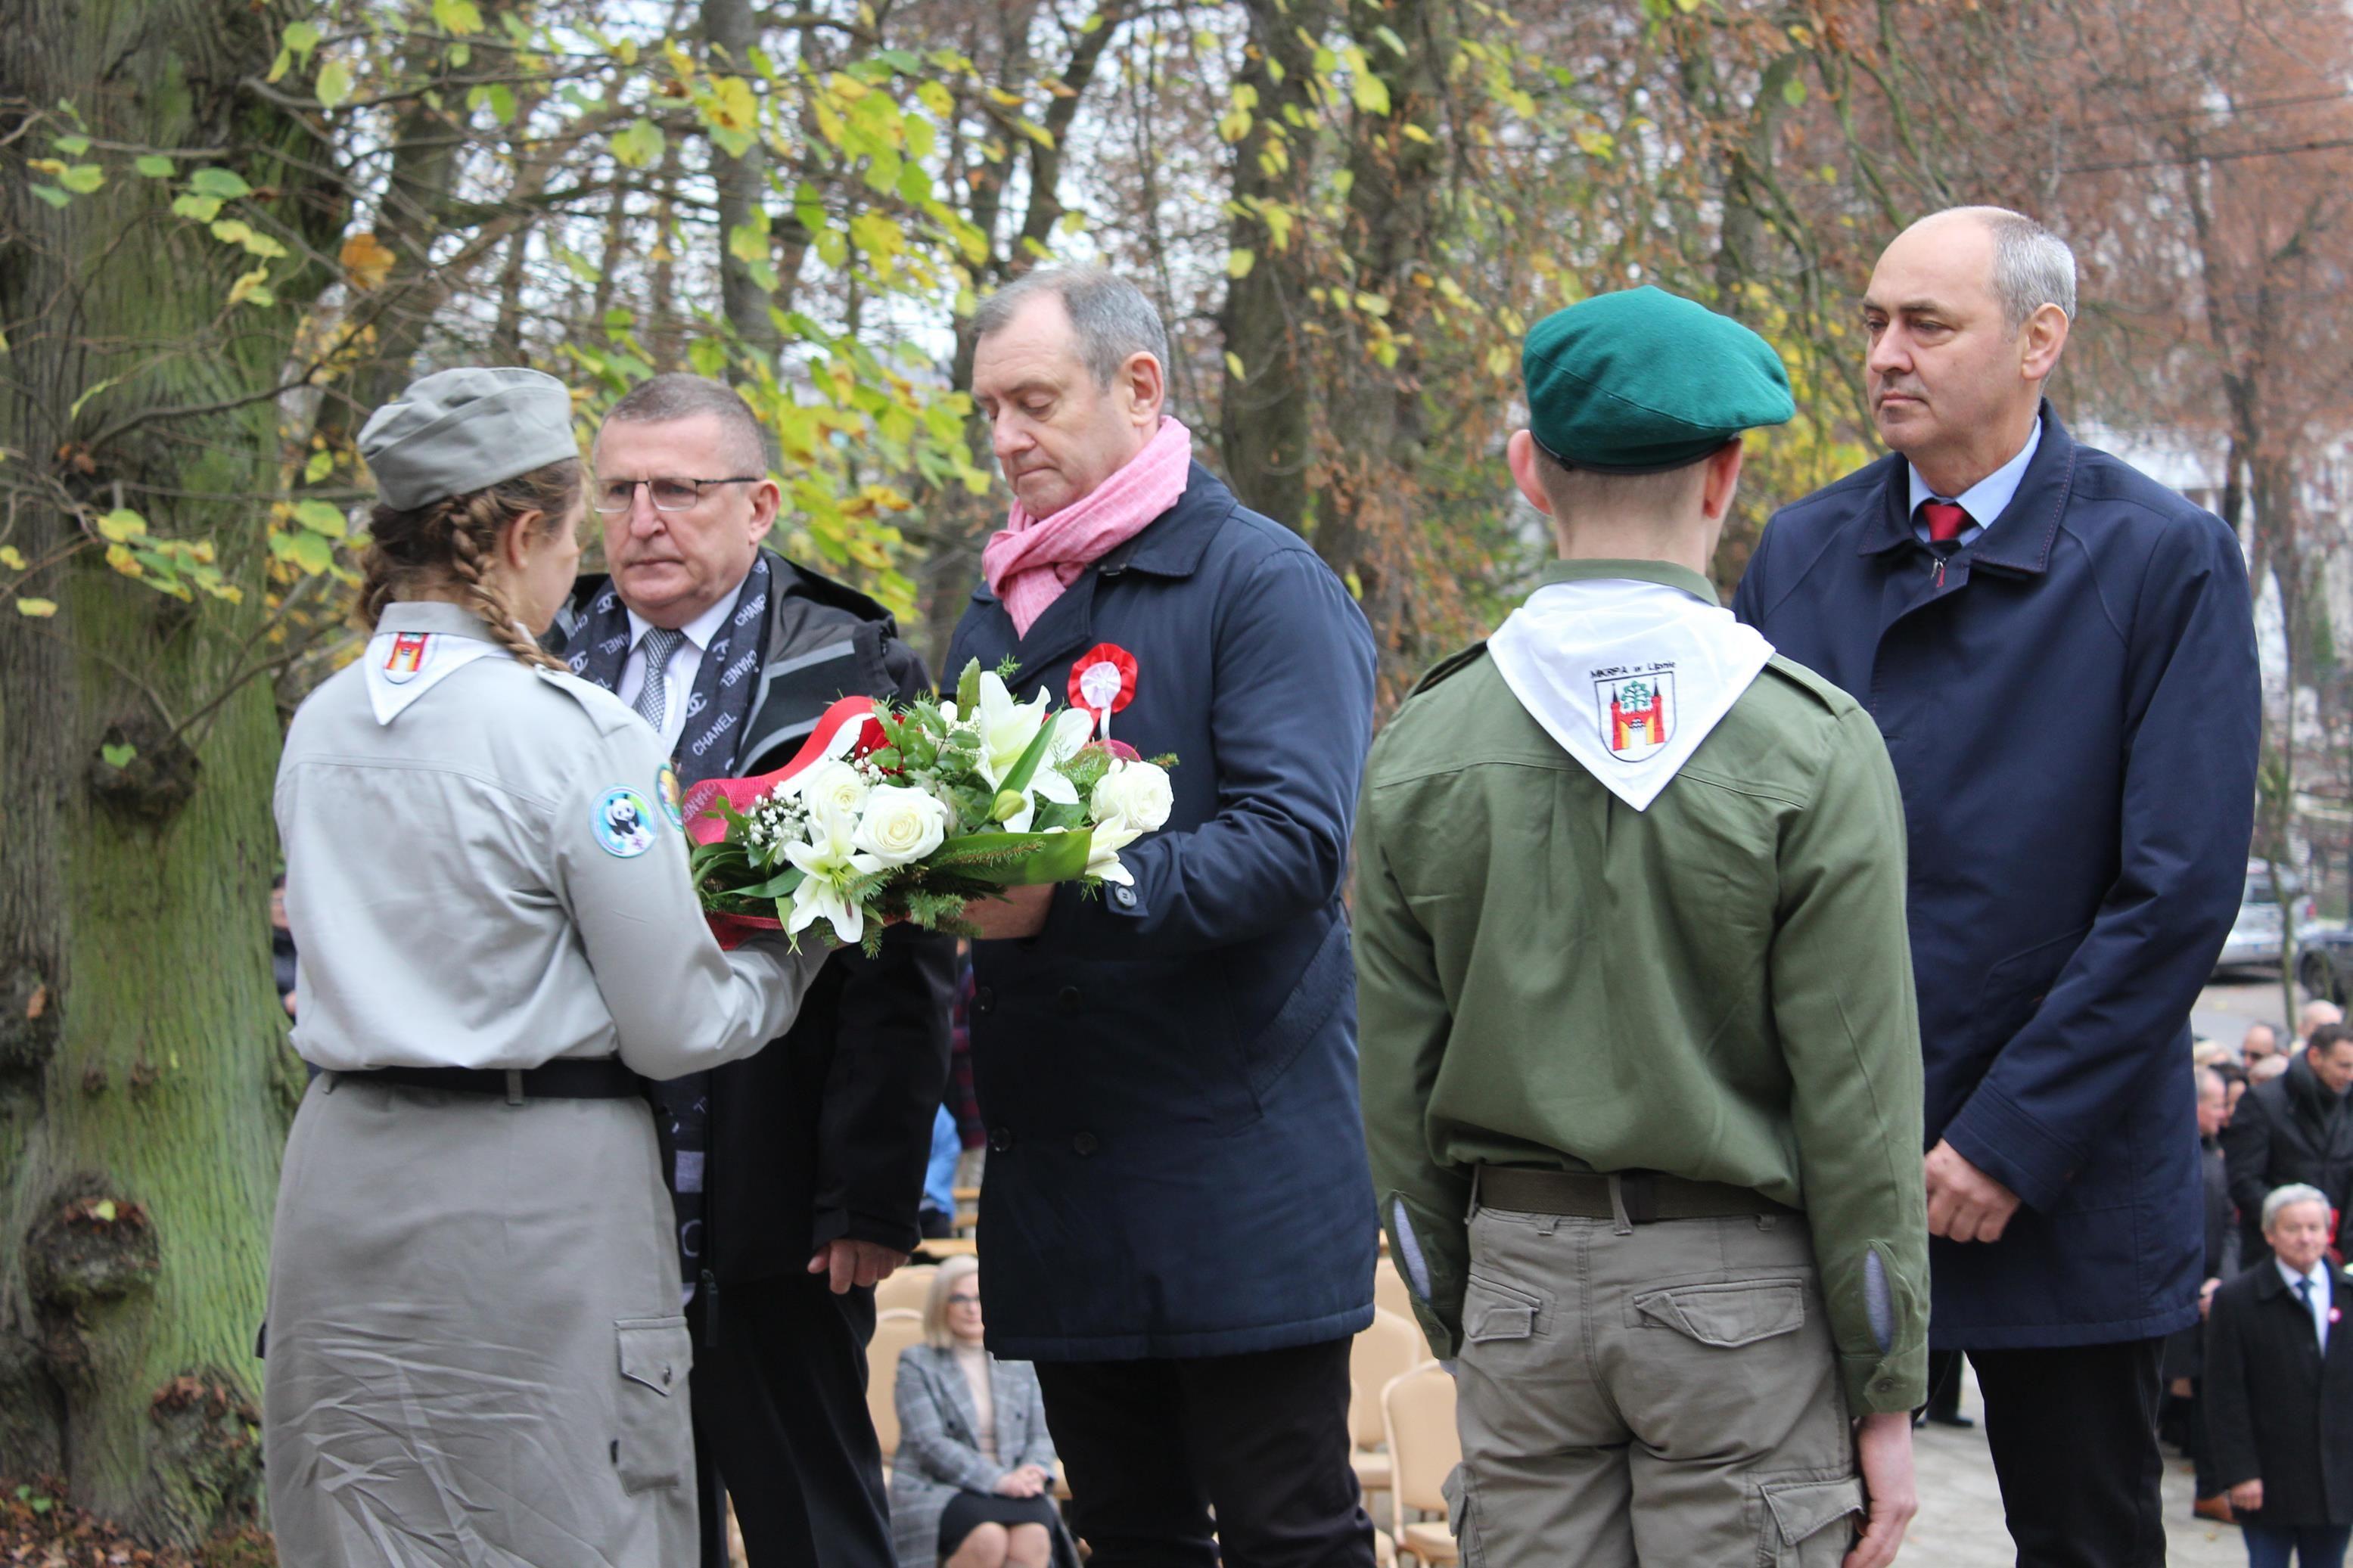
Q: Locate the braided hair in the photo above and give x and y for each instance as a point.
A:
(452, 541)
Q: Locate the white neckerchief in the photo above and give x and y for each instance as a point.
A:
(404, 666)
(1628, 676)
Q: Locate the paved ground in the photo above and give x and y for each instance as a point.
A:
(1960, 1507)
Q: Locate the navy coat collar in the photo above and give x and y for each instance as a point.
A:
(2019, 540)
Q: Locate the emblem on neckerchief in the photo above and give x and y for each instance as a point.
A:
(1637, 713)
(405, 662)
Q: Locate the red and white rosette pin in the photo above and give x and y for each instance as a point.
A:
(1102, 681)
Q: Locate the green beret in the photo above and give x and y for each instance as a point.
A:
(459, 431)
(1642, 380)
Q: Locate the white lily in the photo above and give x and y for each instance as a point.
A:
(1044, 785)
(1102, 851)
(1005, 727)
(1073, 728)
(829, 862)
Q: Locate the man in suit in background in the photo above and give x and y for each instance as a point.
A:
(2279, 1383)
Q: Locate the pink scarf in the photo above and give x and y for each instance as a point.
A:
(1031, 561)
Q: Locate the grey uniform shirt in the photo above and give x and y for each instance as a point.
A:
(494, 875)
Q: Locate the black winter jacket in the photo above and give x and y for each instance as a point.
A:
(2289, 1130)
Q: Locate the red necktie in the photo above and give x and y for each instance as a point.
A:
(1946, 520)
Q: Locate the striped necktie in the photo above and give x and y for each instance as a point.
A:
(653, 695)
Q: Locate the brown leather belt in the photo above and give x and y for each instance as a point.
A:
(1648, 1195)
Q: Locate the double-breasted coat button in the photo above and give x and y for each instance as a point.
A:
(984, 1000)
(1000, 1138)
(1126, 897)
(1069, 998)
(1084, 1143)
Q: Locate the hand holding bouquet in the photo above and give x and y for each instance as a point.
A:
(909, 813)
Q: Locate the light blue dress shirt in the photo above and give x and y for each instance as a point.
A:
(1983, 501)
(2320, 1298)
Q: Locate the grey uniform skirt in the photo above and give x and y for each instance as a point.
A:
(475, 1352)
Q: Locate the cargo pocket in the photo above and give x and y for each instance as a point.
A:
(1727, 1316)
(1462, 1516)
(655, 1444)
(1809, 1524)
(1492, 1310)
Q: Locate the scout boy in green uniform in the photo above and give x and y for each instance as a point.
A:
(1636, 1000)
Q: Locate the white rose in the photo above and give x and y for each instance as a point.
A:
(1137, 794)
(835, 786)
(901, 826)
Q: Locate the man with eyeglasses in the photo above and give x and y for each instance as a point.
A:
(797, 1171)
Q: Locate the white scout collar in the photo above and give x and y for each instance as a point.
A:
(419, 644)
(1627, 668)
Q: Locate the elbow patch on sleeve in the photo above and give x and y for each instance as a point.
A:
(1409, 1257)
(1878, 1302)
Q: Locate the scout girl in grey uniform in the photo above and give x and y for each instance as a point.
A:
(475, 1352)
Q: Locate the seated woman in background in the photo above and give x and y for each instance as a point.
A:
(971, 1485)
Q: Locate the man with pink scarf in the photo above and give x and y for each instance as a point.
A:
(1178, 1211)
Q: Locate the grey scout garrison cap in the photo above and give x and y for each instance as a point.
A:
(459, 431)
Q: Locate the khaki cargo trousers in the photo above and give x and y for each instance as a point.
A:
(1662, 1395)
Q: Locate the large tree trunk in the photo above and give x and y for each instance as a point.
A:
(1376, 400)
(1265, 433)
(143, 1058)
(731, 30)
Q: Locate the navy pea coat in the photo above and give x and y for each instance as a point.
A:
(1168, 1071)
(2073, 707)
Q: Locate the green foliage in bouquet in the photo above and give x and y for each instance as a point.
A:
(960, 800)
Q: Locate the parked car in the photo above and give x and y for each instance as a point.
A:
(2323, 961)
(2255, 935)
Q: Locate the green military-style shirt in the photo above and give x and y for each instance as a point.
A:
(1718, 987)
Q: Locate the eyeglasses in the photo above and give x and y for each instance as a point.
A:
(963, 1299)
(669, 494)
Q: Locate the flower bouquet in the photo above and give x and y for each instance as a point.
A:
(892, 813)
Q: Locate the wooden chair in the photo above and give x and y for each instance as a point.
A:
(1418, 1411)
(893, 1331)
(1387, 1347)
(1390, 1294)
(907, 1289)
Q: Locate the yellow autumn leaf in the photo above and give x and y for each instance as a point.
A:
(366, 261)
(1240, 262)
(732, 107)
(120, 526)
(37, 608)
(12, 558)
(120, 557)
(252, 286)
